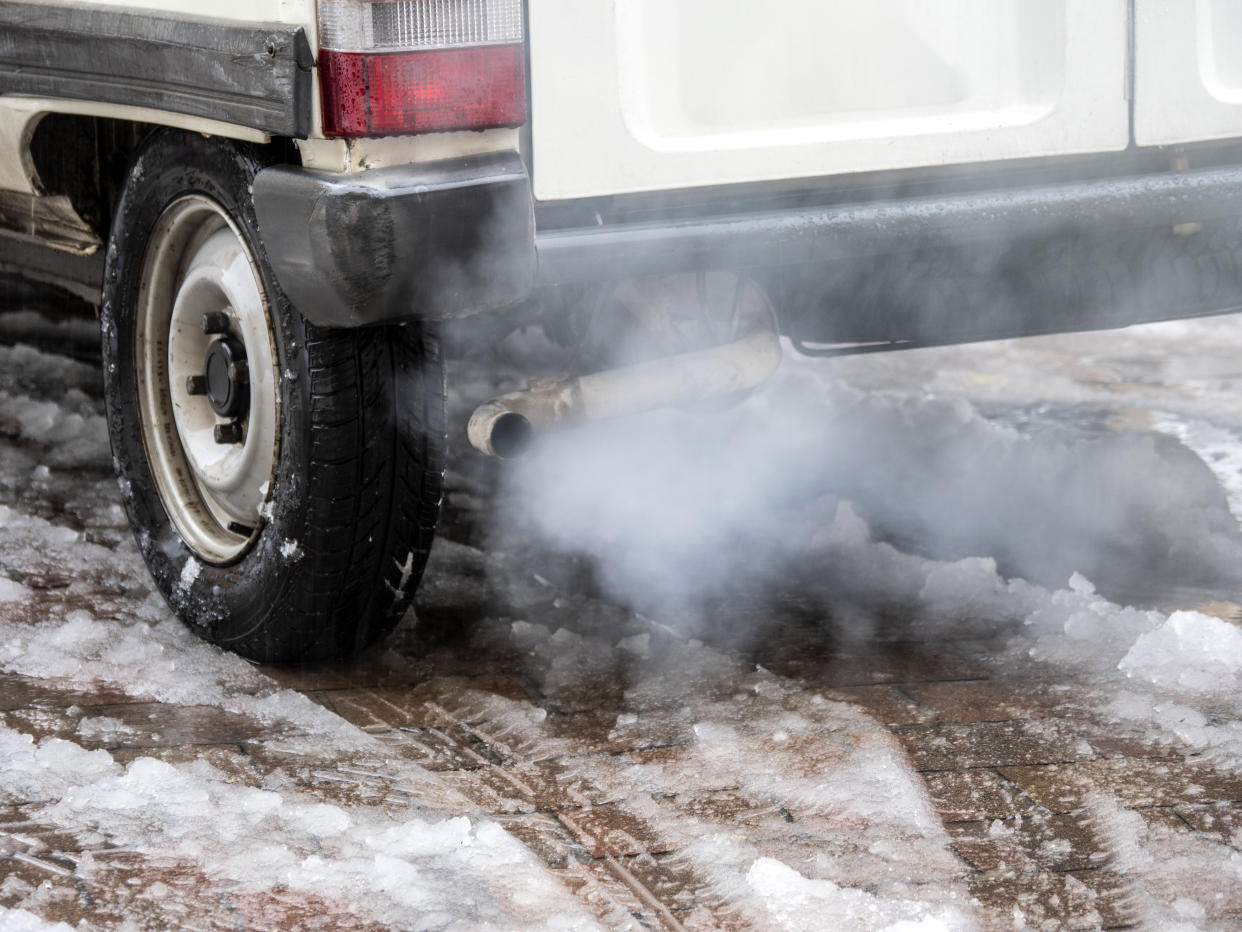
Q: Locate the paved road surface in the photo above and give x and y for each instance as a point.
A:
(819, 739)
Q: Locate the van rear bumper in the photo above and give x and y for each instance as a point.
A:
(832, 233)
(429, 241)
(454, 238)
(955, 268)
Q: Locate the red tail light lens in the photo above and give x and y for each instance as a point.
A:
(422, 92)
(392, 67)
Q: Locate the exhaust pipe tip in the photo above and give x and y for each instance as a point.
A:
(496, 430)
(512, 435)
(505, 427)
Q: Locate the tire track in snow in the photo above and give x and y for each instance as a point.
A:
(660, 806)
(99, 684)
(273, 790)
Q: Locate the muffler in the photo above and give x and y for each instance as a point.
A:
(505, 426)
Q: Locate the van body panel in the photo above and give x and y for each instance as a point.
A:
(645, 95)
(1188, 71)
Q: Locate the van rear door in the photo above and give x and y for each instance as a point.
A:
(645, 95)
(1188, 70)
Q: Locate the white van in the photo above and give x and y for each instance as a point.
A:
(271, 203)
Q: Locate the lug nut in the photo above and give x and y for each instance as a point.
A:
(196, 385)
(228, 433)
(239, 372)
(215, 322)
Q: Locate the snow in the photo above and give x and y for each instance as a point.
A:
(423, 868)
(1016, 526)
(948, 502)
(19, 920)
(189, 573)
(11, 591)
(1029, 531)
(418, 871)
(52, 424)
(1173, 874)
(1189, 653)
(759, 736)
(97, 726)
(794, 902)
(47, 770)
(1219, 447)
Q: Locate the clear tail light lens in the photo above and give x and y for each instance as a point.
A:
(391, 67)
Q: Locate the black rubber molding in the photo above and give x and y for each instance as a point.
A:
(256, 75)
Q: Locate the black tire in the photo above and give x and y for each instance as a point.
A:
(355, 490)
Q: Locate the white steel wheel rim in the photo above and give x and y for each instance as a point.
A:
(214, 493)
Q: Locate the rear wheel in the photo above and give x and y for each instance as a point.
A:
(283, 481)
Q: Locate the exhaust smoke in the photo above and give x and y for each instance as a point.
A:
(679, 511)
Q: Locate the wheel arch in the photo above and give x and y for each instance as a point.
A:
(62, 166)
(86, 157)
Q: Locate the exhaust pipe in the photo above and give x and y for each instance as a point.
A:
(506, 426)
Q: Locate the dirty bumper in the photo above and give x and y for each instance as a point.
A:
(441, 239)
(459, 237)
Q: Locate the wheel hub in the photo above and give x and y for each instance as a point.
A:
(226, 377)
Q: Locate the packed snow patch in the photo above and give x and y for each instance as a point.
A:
(47, 771)
(798, 903)
(154, 656)
(767, 893)
(74, 437)
(19, 920)
(768, 743)
(413, 870)
(1173, 874)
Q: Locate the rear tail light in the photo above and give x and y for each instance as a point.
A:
(391, 67)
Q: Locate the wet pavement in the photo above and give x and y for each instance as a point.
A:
(620, 747)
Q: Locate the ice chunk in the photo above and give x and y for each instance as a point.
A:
(45, 771)
(189, 573)
(796, 902)
(1191, 653)
(98, 726)
(11, 591)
